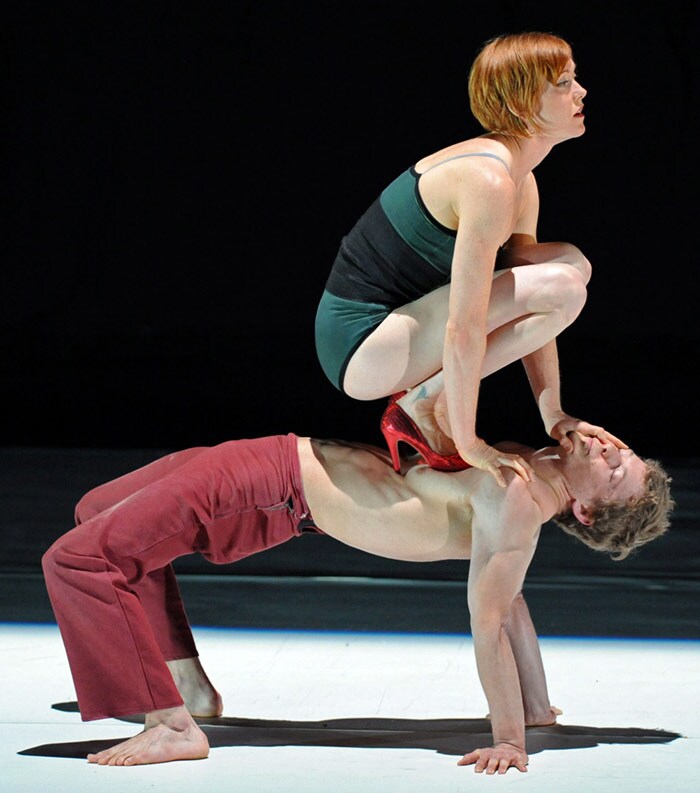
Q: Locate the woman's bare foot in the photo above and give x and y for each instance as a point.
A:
(169, 734)
(199, 695)
(419, 403)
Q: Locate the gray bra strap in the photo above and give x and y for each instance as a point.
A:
(470, 154)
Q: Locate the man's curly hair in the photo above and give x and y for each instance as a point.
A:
(618, 529)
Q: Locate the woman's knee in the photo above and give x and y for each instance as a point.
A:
(573, 291)
(563, 289)
(575, 258)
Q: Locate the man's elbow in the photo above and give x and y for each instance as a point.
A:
(488, 623)
(490, 616)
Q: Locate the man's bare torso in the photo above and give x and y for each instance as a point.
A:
(356, 497)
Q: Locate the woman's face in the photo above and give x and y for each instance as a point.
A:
(561, 109)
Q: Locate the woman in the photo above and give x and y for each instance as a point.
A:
(442, 281)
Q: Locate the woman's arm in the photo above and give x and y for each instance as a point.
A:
(542, 369)
(485, 208)
(541, 366)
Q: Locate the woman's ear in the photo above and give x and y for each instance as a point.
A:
(582, 513)
(527, 125)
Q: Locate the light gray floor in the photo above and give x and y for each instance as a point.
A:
(346, 712)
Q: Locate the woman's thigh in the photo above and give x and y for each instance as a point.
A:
(402, 351)
(407, 347)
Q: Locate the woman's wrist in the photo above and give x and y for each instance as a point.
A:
(465, 448)
(550, 417)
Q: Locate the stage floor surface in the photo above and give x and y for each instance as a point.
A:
(346, 711)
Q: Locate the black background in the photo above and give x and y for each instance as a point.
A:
(178, 176)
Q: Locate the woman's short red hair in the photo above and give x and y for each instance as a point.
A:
(508, 77)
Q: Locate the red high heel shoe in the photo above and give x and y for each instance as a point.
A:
(396, 425)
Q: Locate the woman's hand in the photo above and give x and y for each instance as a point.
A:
(560, 427)
(481, 455)
(497, 758)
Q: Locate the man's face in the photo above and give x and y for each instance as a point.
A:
(597, 470)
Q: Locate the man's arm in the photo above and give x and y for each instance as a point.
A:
(528, 659)
(504, 534)
(537, 709)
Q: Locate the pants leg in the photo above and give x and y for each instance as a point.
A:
(228, 502)
(158, 591)
(110, 493)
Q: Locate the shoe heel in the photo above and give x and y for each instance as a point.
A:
(392, 443)
(396, 425)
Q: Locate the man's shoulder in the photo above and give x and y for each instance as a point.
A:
(513, 447)
(505, 510)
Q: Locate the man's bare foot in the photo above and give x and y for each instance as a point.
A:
(199, 695)
(546, 719)
(170, 734)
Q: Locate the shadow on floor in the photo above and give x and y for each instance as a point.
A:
(445, 736)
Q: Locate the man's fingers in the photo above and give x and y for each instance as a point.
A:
(495, 760)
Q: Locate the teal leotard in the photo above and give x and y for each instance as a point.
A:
(395, 253)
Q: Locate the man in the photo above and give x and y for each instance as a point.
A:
(126, 633)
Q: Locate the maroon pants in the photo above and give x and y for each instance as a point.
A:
(110, 579)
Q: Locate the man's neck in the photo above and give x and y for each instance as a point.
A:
(549, 488)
